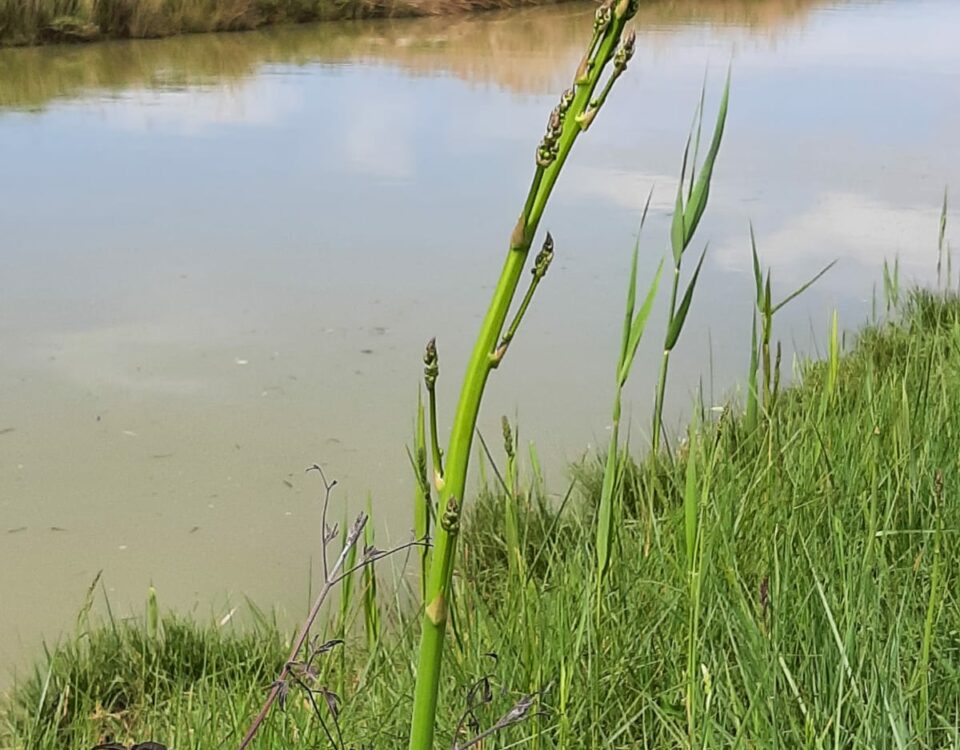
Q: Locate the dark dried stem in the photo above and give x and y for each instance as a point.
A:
(332, 576)
(519, 712)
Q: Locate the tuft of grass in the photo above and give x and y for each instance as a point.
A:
(129, 682)
(761, 366)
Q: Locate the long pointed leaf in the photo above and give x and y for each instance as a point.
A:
(632, 286)
(678, 232)
(800, 290)
(757, 272)
(767, 299)
(701, 192)
(677, 324)
(631, 301)
(696, 140)
(638, 326)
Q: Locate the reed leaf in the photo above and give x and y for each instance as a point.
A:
(639, 323)
(701, 192)
(680, 316)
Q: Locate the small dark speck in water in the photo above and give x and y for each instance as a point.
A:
(17, 530)
(379, 330)
(57, 528)
(288, 483)
(366, 351)
(162, 455)
(6, 430)
(194, 530)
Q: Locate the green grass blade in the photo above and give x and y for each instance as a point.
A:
(631, 301)
(632, 287)
(801, 289)
(638, 326)
(757, 271)
(676, 325)
(691, 495)
(833, 355)
(678, 233)
(371, 609)
(701, 192)
(752, 394)
(607, 490)
(699, 132)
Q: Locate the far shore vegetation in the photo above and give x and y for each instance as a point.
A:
(27, 22)
(45, 22)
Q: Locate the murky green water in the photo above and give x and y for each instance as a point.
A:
(221, 257)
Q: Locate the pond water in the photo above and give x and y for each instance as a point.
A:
(222, 255)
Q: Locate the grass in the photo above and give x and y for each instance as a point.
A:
(792, 584)
(27, 22)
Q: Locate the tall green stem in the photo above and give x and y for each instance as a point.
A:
(664, 365)
(454, 483)
(563, 129)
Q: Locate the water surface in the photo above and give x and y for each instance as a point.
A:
(222, 255)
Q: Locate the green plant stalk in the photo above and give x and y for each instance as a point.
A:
(934, 602)
(686, 219)
(605, 515)
(371, 610)
(480, 365)
(346, 601)
(423, 496)
(692, 548)
(767, 333)
(941, 242)
(675, 321)
(153, 614)
(431, 371)
(833, 368)
(434, 437)
(664, 364)
(610, 508)
(753, 388)
(510, 515)
(760, 358)
(751, 417)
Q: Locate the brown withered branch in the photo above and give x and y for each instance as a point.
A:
(334, 574)
(520, 712)
(481, 694)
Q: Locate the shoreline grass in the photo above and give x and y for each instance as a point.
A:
(790, 583)
(37, 22)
